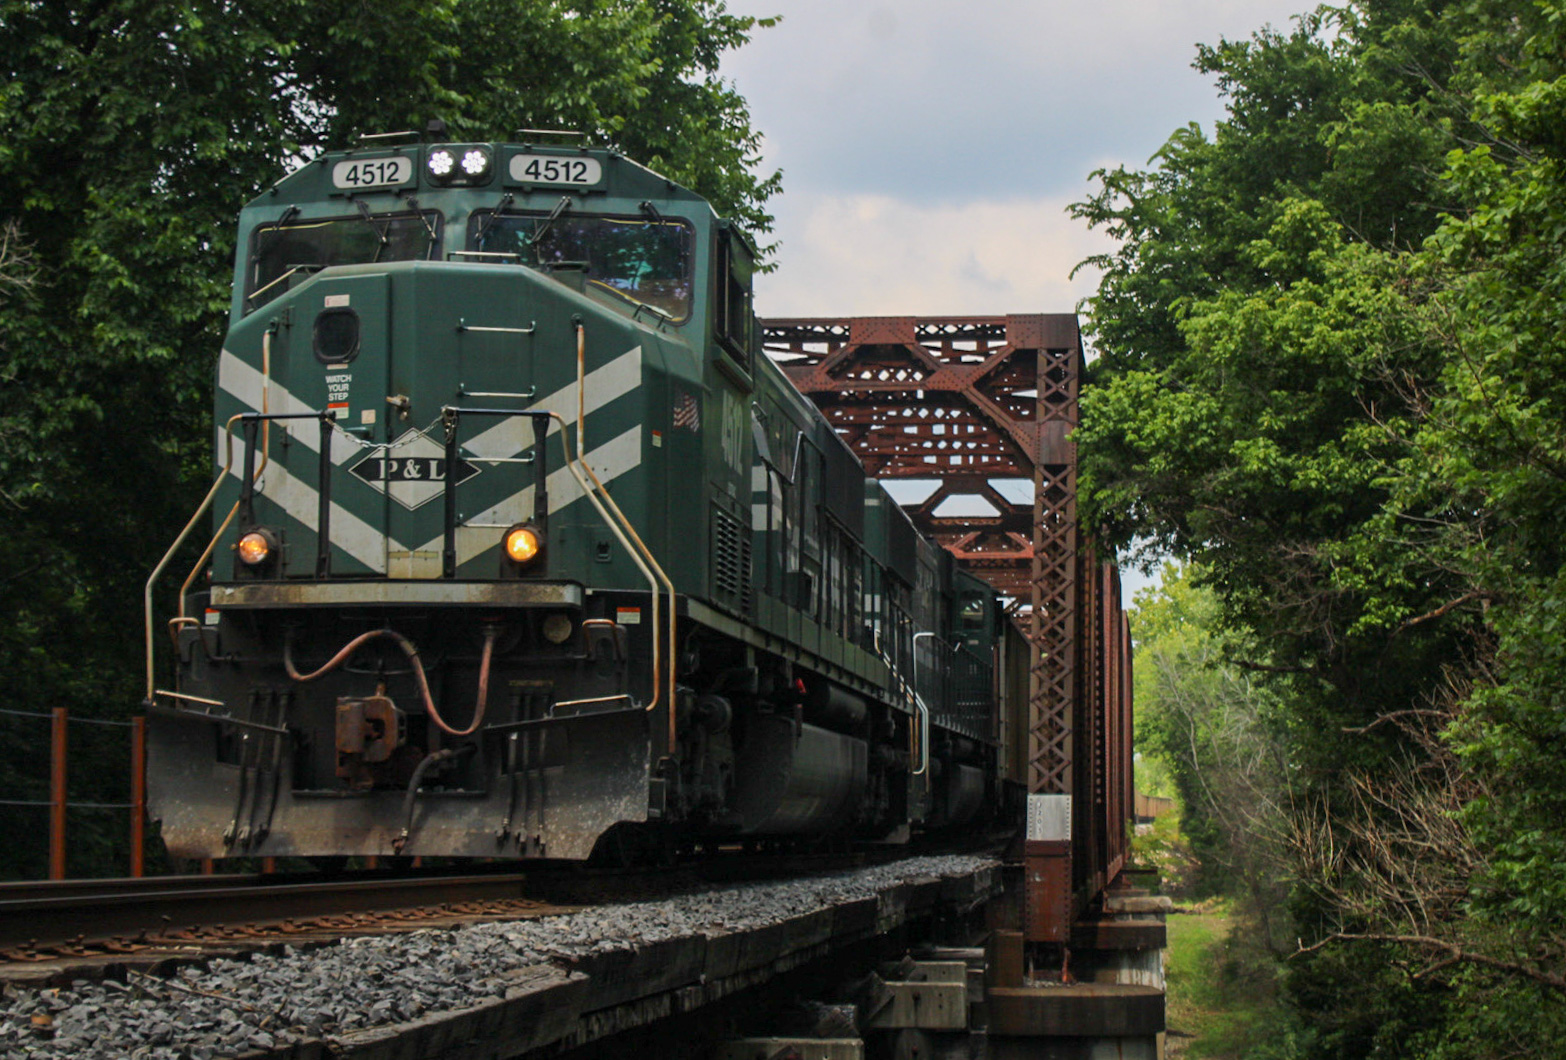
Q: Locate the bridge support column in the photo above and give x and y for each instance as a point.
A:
(1107, 1003)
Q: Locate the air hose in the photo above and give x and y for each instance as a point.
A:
(412, 653)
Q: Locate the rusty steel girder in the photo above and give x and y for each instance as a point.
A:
(969, 401)
(951, 399)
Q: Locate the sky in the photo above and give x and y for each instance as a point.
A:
(930, 148)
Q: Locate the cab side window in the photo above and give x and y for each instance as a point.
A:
(734, 317)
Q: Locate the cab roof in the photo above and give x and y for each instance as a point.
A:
(520, 169)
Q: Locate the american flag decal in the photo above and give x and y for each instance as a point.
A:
(687, 413)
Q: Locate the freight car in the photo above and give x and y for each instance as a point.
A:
(524, 549)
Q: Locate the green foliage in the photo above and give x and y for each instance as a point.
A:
(1499, 425)
(130, 133)
(1163, 846)
(1203, 716)
(1333, 375)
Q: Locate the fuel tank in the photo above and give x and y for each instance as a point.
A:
(798, 778)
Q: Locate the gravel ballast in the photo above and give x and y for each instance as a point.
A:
(230, 1007)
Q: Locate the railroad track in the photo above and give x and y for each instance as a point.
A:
(85, 921)
(108, 918)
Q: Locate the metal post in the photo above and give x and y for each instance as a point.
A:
(138, 834)
(323, 518)
(448, 555)
(57, 749)
(541, 475)
(247, 485)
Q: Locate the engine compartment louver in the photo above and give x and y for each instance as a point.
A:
(730, 581)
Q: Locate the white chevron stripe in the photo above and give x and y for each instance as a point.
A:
(505, 439)
(353, 535)
(610, 461)
(603, 385)
(245, 384)
(508, 438)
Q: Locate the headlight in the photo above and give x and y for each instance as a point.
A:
(459, 165)
(256, 547)
(522, 544)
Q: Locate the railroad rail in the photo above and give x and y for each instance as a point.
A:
(76, 921)
(62, 920)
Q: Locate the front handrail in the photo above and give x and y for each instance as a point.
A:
(157, 572)
(451, 418)
(630, 529)
(251, 423)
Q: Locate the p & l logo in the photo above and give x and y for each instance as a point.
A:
(412, 470)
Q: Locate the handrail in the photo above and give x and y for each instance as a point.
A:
(481, 254)
(462, 326)
(157, 572)
(254, 421)
(266, 438)
(910, 691)
(451, 416)
(581, 389)
(266, 450)
(921, 707)
(520, 395)
(614, 528)
(523, 134)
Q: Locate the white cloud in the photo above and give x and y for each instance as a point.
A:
(870, 254)
(929, 147)
(928, 98)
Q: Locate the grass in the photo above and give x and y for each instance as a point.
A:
(1222, 996)
(1221, 981)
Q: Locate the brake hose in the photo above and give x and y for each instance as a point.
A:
(412, 653)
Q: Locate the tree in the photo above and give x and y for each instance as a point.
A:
(130, 133)
(1331, 373)
(1211, 722)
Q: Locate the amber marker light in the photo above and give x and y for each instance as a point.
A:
(522, 544)
(256, 547)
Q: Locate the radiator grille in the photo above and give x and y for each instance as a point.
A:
(730, 582)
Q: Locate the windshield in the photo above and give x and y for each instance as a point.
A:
(645, 261)
(282, 255)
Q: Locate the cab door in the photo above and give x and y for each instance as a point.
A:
(337, 361)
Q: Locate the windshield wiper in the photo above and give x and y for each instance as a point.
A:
(413, 204)
(554, 215)
(254, 299)
(269, 234)
(369, 219)
(494, 215)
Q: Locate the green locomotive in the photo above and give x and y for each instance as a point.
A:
(523, 547)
